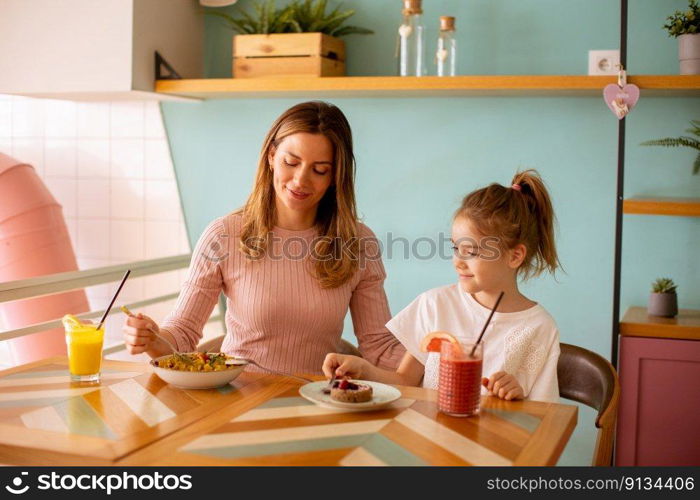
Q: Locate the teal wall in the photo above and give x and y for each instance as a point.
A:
(418, 157)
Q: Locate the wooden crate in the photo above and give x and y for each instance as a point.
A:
(288, 54)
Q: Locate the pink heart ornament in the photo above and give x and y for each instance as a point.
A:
(621, 100)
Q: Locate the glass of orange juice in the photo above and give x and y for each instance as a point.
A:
(84, 343)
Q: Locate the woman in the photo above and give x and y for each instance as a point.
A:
(290, 262)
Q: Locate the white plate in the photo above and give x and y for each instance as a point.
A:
(382, 395)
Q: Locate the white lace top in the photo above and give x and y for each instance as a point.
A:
(524, 344)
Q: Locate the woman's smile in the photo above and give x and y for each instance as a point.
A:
(298, 195)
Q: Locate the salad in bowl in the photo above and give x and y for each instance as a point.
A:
(198, 370)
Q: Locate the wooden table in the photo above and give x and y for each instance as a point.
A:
(134, 418)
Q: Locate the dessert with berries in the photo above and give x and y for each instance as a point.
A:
(346, 391)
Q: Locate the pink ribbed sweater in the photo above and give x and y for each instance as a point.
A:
(277, 314)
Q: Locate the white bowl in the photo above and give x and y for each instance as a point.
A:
(196, 380)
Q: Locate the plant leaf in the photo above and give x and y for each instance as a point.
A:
(253, 25)
(295, 26)
(674, 142)
(352, 30)
(281, 23)
(267, 9)
(334, 21)
(320, 10)
(696, 128)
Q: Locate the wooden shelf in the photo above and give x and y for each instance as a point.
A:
(637, 323)
(667, 85)
(684, 207)
(427, 86)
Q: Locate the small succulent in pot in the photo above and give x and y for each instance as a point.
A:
(663, 300)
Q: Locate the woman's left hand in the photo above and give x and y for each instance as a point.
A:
(504, 385)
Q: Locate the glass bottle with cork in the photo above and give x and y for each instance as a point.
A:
(411, 46)
(446, 55)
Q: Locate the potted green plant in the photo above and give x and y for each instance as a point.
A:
(685, 25)
(683, 141)
(301, 39)
(663, 300)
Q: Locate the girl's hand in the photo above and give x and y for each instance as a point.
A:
(343, 365)
(137, 335)
(503, 385)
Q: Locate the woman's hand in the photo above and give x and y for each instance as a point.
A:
(343, 365)
(137, 335)
(504, 385)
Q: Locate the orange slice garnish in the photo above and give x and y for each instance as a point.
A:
(433, 341)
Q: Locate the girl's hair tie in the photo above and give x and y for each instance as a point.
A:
(517, 187)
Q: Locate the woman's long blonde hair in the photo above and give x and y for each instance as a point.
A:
(336, 218)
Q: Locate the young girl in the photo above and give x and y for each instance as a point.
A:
(499, 234)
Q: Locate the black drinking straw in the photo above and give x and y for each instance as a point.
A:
(498, 301)
(104, 316)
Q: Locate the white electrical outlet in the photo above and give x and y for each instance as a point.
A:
(603, 62)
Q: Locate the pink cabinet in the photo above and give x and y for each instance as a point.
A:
(659, 415)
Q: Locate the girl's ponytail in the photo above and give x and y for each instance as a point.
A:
(539, 203)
